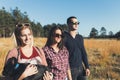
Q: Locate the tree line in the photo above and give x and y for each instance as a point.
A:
(8, 21)
(94, 33)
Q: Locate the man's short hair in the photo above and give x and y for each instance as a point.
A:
(69, 19)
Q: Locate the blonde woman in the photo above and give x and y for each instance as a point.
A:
(27, 52)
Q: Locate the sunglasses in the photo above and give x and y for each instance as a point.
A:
(75, 23)
(58, 35)
(22, 24)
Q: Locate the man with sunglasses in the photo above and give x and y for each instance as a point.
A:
(77, 53)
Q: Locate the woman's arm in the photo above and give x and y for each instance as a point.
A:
(69, 74)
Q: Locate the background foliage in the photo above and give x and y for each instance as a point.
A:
(8, 21)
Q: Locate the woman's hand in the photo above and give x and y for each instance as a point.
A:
(48, 76)
(30, 70)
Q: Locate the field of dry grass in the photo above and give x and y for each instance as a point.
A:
(103, 56)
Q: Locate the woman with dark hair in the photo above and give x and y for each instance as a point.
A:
(57, 55)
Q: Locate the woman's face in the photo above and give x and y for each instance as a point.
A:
(58, 36)
(26, 37)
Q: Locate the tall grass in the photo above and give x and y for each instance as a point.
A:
(104, 58)
(5, 45)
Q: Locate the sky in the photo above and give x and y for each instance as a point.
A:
(90, 13)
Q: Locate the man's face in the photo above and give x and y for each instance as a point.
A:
(73, 24)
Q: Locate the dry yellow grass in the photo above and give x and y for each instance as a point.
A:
(5, 45)
(104, 58)
(103, 45)
(103, 48)
(103, 55)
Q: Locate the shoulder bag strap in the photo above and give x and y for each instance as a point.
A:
(18, 50)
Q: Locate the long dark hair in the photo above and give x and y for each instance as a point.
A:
(51, 40)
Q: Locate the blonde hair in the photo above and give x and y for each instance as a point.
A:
(18, 30)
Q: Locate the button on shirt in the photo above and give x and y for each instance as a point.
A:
(58, 62)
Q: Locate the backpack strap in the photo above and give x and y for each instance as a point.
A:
(18, 50)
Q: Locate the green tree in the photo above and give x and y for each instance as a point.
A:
(47, 29)
(37, 29)
(117, 35)
(19, 17)
(93, 33)
(6, 23)
(103, 32)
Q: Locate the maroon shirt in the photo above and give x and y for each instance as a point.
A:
(38, 54)
(58, 62)
(14, 53)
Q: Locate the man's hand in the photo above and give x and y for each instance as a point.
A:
(87, 72)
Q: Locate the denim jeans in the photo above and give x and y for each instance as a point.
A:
(78, 73)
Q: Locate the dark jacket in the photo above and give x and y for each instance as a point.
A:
(77, 52)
